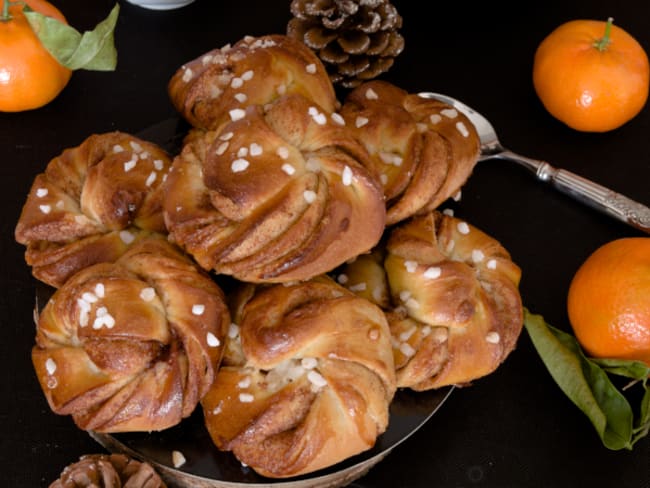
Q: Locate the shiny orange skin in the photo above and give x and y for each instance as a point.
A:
(588, 89)
(609, 301)
(29, 76)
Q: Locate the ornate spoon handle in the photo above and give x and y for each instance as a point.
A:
(607, 201)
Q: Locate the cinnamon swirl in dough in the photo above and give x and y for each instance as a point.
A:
(307, 379)
(280, 194)
(254, 71)
(421, 149)
(91, 203)
(451, 297)
(131, 345)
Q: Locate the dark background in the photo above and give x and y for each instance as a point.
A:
(514, 428)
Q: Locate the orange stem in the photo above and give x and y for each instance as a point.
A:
(602, 43)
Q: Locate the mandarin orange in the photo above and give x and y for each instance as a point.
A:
(609, 300)
(591, 75)
(30, 76)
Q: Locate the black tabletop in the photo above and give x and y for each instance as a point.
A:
(513, 428)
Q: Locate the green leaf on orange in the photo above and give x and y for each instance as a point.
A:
(92, 50)
(587, 384)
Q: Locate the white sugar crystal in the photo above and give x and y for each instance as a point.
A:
(432, 273)
(309, 196)
(311, 68)
(151, 178)
(239, 165)
(236, 82)
(233, 330)
(337, 119)
(450, 113)
(411, 266)
(283, 152)
(288, 169)
(371, 94)
(130, 164)
(213, 340)
(463, 228)
(236, 114)
(462, 129)
(178, 459)
(358, 287)
(187, 75)
(360, 121)
(477, 255)
(309, 363)
(222, 148)
(492, 264)
(347, 176)
(255, 149)
(89, 297)
(50, 366)
(158, 164)
(246, 397)
(198, 309)
(46, 209)
(41, 192)
(240, 97)
(126, 236)
(493, 337)
(435, 118)
(406, 335)
(247, 75)
(406, 349)
(147, 294)
(316, 379)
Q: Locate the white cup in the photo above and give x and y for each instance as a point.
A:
(160, 4)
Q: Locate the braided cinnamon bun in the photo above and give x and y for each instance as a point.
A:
(422, 150)
(91, 204)
(280, 194)
(254, 71)
(131, 345)
(307, 381)
(451, 298)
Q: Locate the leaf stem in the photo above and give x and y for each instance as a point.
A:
(604, 42)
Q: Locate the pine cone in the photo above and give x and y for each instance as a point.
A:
(356, 40)
(108, 471)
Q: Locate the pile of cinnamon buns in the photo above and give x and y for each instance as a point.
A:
(345, 281)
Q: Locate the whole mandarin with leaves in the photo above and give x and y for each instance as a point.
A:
(609, 301)
(591, 75)
(30, 76)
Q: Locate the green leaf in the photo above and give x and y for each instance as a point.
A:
(94, 50)
(587, 384)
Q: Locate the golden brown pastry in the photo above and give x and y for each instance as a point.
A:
(307, 380)
(108, 471)
(216, 86)
(278, 195)
(451, 297)
(422, 150)
(131, 345)
(91, 203)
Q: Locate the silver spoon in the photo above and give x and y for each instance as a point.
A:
(582, 189)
